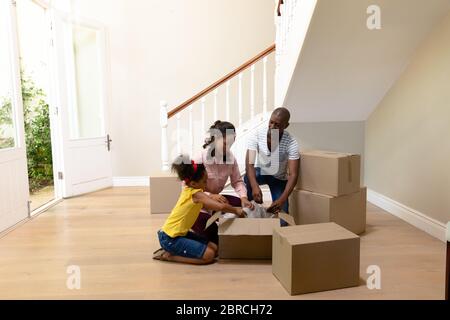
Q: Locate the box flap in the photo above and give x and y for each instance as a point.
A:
(314, 233)
(287, 218)
(213, 219)
(257, 226)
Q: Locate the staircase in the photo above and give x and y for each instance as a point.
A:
(193, 113)
(245, 96)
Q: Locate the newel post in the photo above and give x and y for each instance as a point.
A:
(164, 121)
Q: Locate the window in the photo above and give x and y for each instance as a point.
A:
(88, 109)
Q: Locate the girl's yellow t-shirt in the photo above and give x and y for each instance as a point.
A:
(183, 215)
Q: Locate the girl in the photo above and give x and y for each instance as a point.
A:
(221, 165)
(177, 242)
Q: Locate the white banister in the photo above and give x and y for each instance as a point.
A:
(240, 107)
(216, 105)
(252, 92)
(163, 120)
(265, 86)
(228, 101)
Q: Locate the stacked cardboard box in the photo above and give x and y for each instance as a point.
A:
(329, 191)
(165, 190)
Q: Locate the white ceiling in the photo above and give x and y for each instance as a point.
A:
(345, 69)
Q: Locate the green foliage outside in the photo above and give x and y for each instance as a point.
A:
(37, 133)
(5, 122)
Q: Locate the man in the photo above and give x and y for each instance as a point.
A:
(277, 162)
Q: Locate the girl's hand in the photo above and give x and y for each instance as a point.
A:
(246, 203)
(240, 212)
(218, 198)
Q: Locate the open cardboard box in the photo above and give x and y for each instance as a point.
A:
(247, 238)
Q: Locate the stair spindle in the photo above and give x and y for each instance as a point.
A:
(240, 106)
(216, 105)
(265, 86)
(228, 101)
(191, 133)
(163, 120)
(252, 92)
(203, 115)
(178, 117)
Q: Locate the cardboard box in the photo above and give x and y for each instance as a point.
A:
(164, 193)
(315, 257)
(329, 173)
(247, 238)
(348, 211)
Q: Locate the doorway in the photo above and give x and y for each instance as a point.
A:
(34, 47)
(54, 102)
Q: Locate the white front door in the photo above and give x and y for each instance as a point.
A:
(81, 71)
(14, 194)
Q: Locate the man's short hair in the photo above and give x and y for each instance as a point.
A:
(283, 113)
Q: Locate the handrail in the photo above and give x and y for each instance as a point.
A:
(280, 2)
(221, 81)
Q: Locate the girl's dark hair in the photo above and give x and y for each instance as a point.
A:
(187, 170)
(223, 127)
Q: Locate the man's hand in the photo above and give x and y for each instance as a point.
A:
(257, 194)
(218, 198)
(275, 207)
(246, 203)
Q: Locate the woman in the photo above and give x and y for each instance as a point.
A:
(220, 164)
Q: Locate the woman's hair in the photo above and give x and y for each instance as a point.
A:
(187, 170)
(223, 127)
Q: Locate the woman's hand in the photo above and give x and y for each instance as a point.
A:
(246, 203)
(218, 198)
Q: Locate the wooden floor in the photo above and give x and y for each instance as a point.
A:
(111, 235)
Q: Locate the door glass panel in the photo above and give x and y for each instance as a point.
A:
(7, 123)
(87, 116)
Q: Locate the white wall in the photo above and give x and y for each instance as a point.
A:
(169, 50)
(407, 136)
(345, 69)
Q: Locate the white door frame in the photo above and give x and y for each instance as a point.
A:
(63, 68)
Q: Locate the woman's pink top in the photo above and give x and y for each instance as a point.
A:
(218, 174)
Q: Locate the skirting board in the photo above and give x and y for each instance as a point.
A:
(131, 181)
(413, 217)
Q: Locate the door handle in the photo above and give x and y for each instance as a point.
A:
(108, 142)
